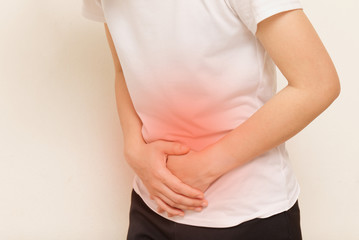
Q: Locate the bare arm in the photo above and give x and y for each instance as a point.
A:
(149, 160)
(131, 124)
(313, 84)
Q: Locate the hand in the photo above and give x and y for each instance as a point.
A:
(169, 192)
(192, 169)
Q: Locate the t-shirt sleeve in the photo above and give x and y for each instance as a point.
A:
(92, 9)
(251, 12)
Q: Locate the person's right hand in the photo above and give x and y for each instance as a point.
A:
(170, 193)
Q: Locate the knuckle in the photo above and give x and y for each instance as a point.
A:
(161, 180)
(177, 189)
(177, 199)
(158, 175)
(149, 182)
(174, 205)
(171, 203)
(181, 207)
(157, 187)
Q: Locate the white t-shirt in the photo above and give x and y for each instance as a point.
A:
(195, 71)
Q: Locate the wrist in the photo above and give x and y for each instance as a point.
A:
(217, 161)
(133, 145)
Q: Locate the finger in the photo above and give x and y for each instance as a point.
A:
(168, 209)
(160, 210)
(174, 148)
(179, 206)
(179, 201)
(176, 185)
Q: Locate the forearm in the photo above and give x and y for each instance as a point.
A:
(283, 116)
(131, 124)
(313, 84)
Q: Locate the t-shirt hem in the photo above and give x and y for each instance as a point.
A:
(283, 206)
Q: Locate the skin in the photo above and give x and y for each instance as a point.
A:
(174, 178)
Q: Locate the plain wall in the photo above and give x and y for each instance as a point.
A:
(62, 170)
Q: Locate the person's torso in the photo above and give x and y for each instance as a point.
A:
(195, 72)
(192, 68)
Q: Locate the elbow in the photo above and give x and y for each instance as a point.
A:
(334, 88)
(327, 83)
(338, 88)
(324, 92)
(330, 90)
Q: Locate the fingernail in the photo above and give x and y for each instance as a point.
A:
(199, 196)
(198, 209)
(181, 214)
(204, 204)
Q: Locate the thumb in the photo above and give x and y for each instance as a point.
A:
(173, 148)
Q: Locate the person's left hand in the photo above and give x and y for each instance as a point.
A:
(193, 169)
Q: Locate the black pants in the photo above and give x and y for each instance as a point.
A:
(148, 225)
